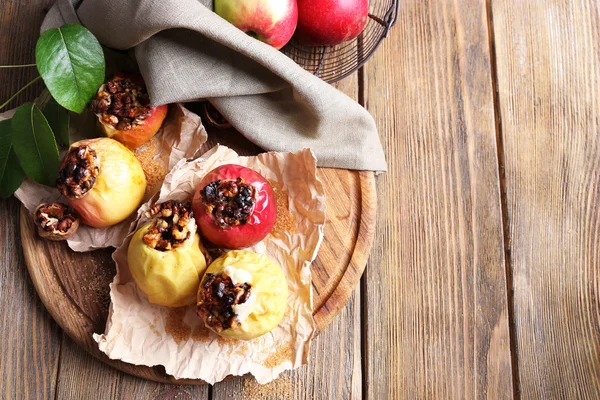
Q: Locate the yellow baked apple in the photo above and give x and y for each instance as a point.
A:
(243, 295)
(165, 256)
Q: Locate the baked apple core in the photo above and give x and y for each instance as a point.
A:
(122, 103)
(54, 217)
(78, 172)
(216, 300)
(230, 202)
(172, 225)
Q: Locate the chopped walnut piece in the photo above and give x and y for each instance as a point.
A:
(78, 172)
(122, 103)
(169, 228)
(230, 202)
(217, 296)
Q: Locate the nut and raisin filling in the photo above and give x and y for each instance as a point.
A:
(218, 297)
(54, 217)
(171, 225)
(78, 172)
(122, 103)
(230, 202)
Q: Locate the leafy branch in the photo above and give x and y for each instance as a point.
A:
(71, 62)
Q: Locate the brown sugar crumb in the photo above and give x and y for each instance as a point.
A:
(282, 354)
(175, 326)
(154, 330)
(201, 334)
(285, 222)
(93, 288)
(280, 388)
(243, 350)
(154, 171)
(224, 340)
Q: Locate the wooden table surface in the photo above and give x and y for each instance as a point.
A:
(484, 280)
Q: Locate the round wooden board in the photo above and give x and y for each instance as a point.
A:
(74, 287)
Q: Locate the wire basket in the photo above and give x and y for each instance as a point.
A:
(332, 63)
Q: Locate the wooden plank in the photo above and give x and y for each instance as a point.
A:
(30, 344)
(85, 377)
(334, 370)
(436, 302)
(548, 57)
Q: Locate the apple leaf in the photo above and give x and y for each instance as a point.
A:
(11, 173)
(58, 118)
(71, 62)
(34, 144)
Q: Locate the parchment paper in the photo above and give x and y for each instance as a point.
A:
(145, 334)
(181, 136)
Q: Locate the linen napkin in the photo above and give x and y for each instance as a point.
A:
(187, 52)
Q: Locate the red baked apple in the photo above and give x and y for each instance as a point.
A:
(270, 21)
(234, 206)
(123, 108)
(329, 22)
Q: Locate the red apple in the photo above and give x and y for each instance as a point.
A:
(234, 206)
(124, 113)
(270, 21)
(329, 22)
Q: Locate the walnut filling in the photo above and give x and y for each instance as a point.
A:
(171, 225)
(122, 103)
(230, 202)
(78, 172)
(216, 300)
(54, 217)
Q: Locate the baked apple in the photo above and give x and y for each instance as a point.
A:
(165, 255)
(102, 180)
(243, 295)
(235, 206)
(124, 111)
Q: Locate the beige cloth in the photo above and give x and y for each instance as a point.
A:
(187, 52)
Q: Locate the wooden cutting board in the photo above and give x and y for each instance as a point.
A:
(74, 286)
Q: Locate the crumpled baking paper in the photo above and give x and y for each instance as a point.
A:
(181, 136)
(141, 333)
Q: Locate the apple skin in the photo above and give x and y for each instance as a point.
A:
(329, 22)
(270, 21)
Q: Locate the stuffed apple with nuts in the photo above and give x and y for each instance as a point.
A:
(235, 206)
(242, 295)
(124, 113)
(165, 256)
(102, 180)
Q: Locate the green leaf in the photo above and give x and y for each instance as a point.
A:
(58, 118)
(71, 62)
(34, 144)
(11, 173)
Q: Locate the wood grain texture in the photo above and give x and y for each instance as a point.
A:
(84, 377)
(548, 57)
(29, 339)
(334, 370)
(17, 47)
(436, 302)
